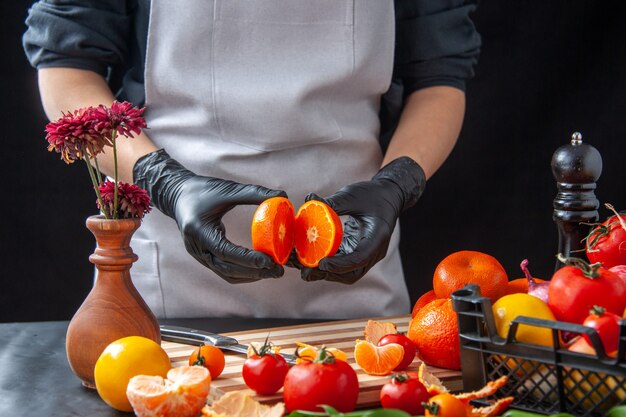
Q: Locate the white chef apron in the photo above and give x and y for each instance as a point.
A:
(283, 94)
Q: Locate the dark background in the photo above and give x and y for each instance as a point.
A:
(547, 69)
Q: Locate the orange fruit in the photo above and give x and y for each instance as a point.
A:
(121, 360)
(458, 269)
(272, 228)
(435, 331)
(210, 357)
(446, 405)
(182, 394)
(377, 360)
(425, 298)
(318, 232)
(520, 285)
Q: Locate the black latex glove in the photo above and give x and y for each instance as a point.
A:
(198, 204)
(373, 208)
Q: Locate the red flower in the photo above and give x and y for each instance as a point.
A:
(120, 117)
(73, 134)
(133, 201)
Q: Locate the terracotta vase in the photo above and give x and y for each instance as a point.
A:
(113, 308)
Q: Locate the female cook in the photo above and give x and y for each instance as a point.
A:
(250, 99)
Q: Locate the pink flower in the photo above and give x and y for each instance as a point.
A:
(133, 201)
(120, 117)
(73, 134)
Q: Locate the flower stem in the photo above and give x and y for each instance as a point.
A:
(113, 137)
(98, 172)
(92, 175)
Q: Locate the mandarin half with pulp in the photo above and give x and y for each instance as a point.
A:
(460, 268)
(183, 393)
(435, 332)
(377, 360)
(318, 232)
(272, 228)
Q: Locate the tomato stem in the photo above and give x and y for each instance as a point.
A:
(199, 359)
(432, 408)
(324, 356)
(597, 310)
(400, 377)
(619, 218)
(588, 270)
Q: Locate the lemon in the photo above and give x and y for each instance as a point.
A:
(510, 306)
(123, 359)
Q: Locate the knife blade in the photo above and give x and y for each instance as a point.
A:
(200, 337)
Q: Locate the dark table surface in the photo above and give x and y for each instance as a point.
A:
(36, 379)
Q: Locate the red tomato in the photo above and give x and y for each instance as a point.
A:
(404, 392)
(574, 290)
(265, 373)
(445, 405)
(607, 242)
(607, 326)
(410, 349)
(324, 380)
(619, 270)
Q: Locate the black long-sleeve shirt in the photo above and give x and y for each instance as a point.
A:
(436, 41)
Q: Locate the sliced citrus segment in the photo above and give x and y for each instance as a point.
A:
(375, 330)
(318, 232)
(240, 404)
(182, 394)
(272, 228)
(309, 353)
(377, 360)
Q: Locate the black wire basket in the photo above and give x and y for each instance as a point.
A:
(541, 379)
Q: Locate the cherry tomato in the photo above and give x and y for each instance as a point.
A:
(445, 405)
(210, 357)
(607, 325)
(607, 242)
(578, 286)
(264, 372)
(324, 380)
(404, 392)
(410, 349)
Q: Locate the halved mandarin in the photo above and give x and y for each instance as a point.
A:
(377, 360)
(182, 394)
(273, 228)
(318, 232)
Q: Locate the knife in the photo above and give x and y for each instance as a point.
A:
(201, 337)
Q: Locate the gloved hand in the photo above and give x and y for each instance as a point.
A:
(198, 204)
(374, 207)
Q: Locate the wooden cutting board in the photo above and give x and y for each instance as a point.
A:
(338, 334)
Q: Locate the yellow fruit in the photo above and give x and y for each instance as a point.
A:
(511, 306)
(123, 359)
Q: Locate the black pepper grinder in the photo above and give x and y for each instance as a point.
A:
(576, 168)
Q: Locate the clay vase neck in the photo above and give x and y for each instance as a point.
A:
(113, 308)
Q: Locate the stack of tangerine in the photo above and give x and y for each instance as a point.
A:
(433, 327)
